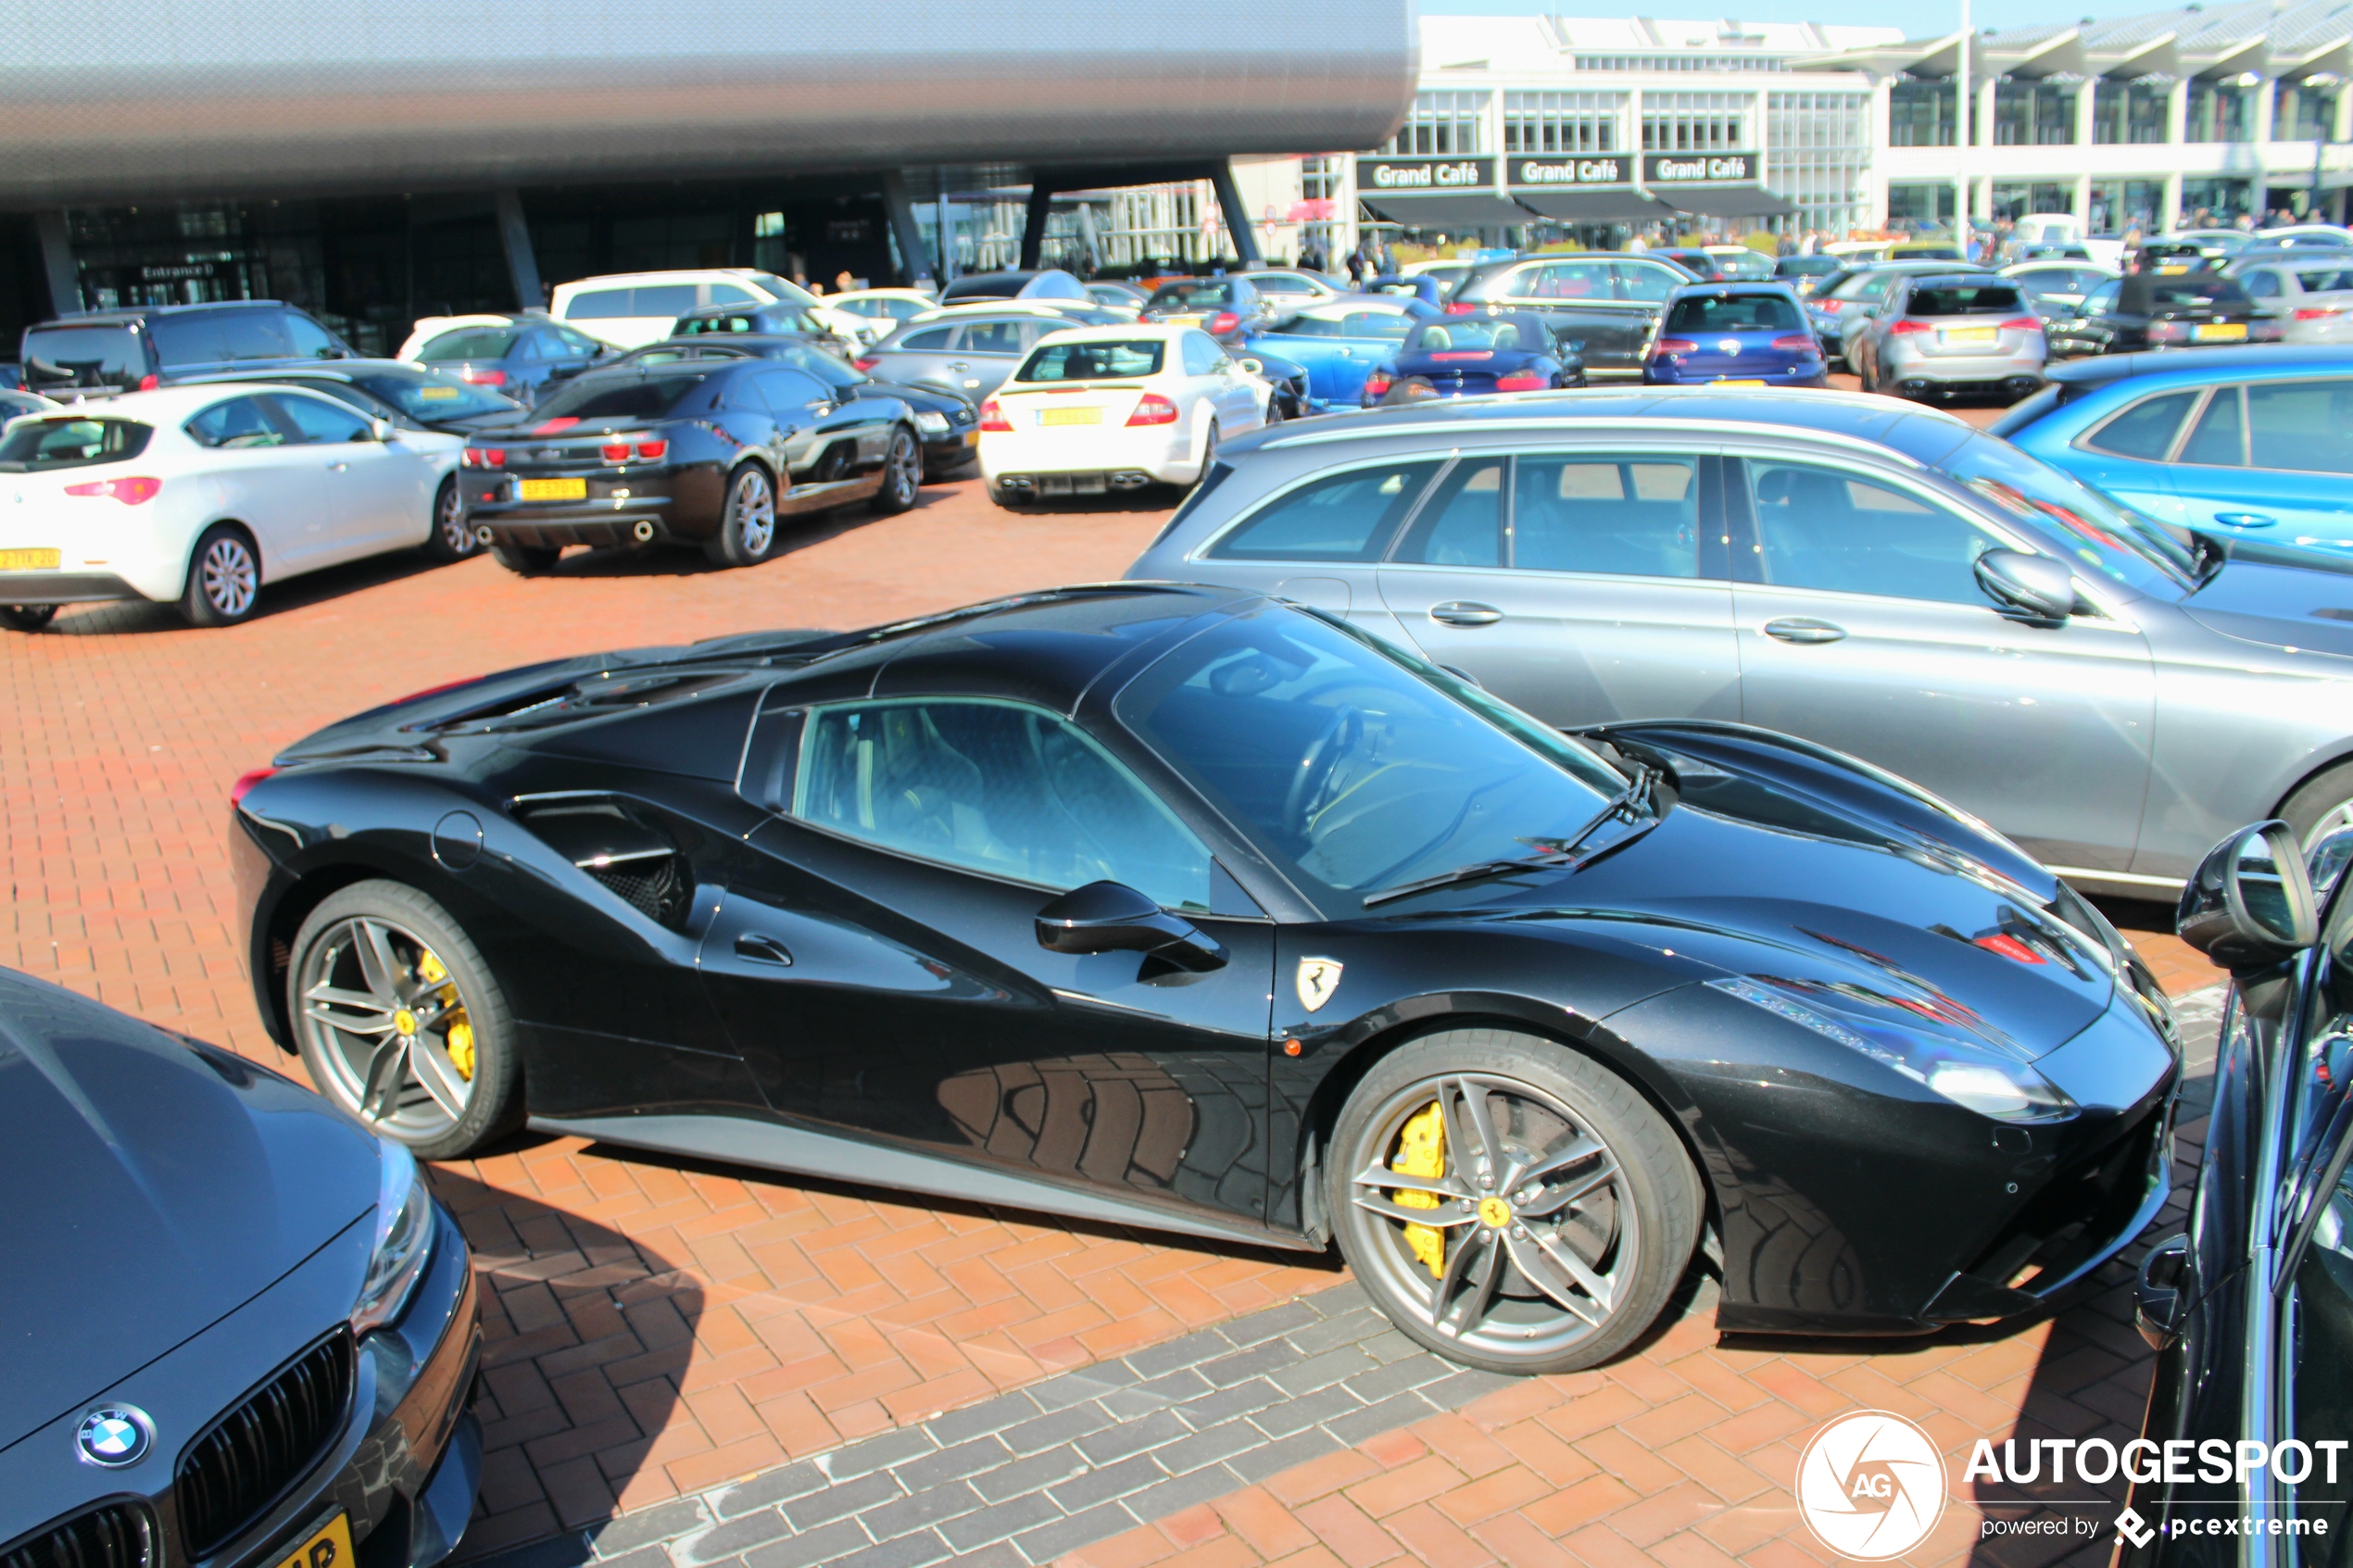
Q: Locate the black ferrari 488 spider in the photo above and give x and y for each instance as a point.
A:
(1188, 909)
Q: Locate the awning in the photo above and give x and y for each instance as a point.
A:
(1449, 209)
(1621, 204)
(1730, 201)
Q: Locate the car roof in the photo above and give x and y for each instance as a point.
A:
(2280, 359)
(1773, 286)
(119, 315)
(1124, 332)
(170, 404)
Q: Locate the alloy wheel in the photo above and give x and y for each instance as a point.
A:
(755, 508)
(1502, 1221)
(457, 539)
(230, 577)
(905, 475)
(385, 1019)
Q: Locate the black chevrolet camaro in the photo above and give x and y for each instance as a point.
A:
(1183, 909)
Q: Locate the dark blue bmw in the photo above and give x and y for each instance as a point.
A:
(1462, 356)
(1735, 335)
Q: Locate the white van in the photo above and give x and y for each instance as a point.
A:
(632, 309)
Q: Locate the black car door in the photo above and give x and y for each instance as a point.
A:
(879, 966)
(1579, 299)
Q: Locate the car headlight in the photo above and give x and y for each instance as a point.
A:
(931, 422)
(1981, 1080)
(403, 1239)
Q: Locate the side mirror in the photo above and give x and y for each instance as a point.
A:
(2250, 906)
(381, 430)
(1253, 366)
(2326, 861)
(1109, 917)
(2156, 1305)
(2038, 585)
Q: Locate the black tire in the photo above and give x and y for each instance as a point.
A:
(28, 618)
(902, 474)
(224, 577)
(452, 537)
(1208, 452)
(326, 952)
(2321, 805)
(748, 520)
(1274, 414)
(526, 560)
(1485, 1304)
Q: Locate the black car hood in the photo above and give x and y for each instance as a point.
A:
(154, 1188)
(2280, 597)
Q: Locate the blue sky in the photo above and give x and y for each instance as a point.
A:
(1926, 20)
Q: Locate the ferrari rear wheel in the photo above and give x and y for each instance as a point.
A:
(400, 1023)
(1509, 1203)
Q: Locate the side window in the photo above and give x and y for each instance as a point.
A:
(2145, 430)
(1201, 354)
(2101, 301)
(236, 423)
(1649, 284)
(578, 342)
(1821, 528)
(598, 305)
(2306, 426)
(184, 340)
(1628, 516)
(309, 339)
(2219, 439)
(1462, 524)
(997, 788)
(933, 339)
(1567, 282)
(728, 294)
(2261, 283)
(789, 390)
(254, 335)
(321, 425)
(992, 337)
(540, 345)
(1339, 517)
(673, 300)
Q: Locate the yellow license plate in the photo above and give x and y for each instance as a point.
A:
(2171, 271)
(28, 560)
(551, 489)
(2220, 331)
(971, 438)
(1740, 384)
(1071, 417)
(330, 1548)
(1971, 335)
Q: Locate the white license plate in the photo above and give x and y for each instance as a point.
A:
(1070, 417)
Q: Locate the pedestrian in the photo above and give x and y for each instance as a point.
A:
(1356, 267)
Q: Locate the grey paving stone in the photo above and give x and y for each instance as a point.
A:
(1049, 1431)
(1004, 1554)
(780, 1485)
(1029, 1474)
(947, 1464)
(907, 1552)
(996, 1522)
(1082, 1492)
(1242, 1365)
(567, 1550)
(1207, 1447)
(647, 1525)
(837, 1539)
(1345, 1297)
(1389, 1346)
(1182, 1492)
(1397, 1376)
(957, 1426)
(1346, 1328)
(920, 1511)
(1132, 1436)
(729, 1538)
(1460, 1387)
(877, 1453)
(1398, 1410)
(650, 1555)
(1159, 1360)
(1177, 1386)
(1213, 1410)
(849, 1497)
(1274, 1459)
(1319, 1372)
(1273, 1322)
(1086, 1383)
(1328, 1403)
(1080, 1530)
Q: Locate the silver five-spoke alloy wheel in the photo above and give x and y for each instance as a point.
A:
(386, 1021)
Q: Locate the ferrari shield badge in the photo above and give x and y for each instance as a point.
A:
(1319, 978)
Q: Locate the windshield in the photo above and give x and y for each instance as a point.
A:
(1356, 767)
(1735, 313)
(1191, 296)
(470, 343)
(1103, 360)
(1741, 263)
(1354, 323)
(34, 444)
(1484, 334)
(432, 394)
(777, 288)
(623, 396)
(2115, 540)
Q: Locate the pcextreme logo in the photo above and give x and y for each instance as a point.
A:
(1870, 1485)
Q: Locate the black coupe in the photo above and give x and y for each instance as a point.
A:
(1183, 909)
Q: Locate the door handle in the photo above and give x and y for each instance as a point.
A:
(1799, 629)
(960, 364)
(1464, 612)
(2244, 519)
(763, 950)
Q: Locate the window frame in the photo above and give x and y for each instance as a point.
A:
(1709, 516)
(2084, 443)
(1206, 550)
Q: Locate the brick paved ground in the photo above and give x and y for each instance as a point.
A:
(659, 1327)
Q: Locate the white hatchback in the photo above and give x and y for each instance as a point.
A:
(199, 495)
(1094, 409)
(632, 309)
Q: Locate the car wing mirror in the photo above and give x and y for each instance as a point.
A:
(1253, 366)
(2037, 586)
(381, 430)
(2326, 861)
(2249, 905)
(2157, 1294)
(1110, 916)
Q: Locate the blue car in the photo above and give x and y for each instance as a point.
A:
(2247, 443)
(1340, 343)
(1465, 355)
(1735, 335)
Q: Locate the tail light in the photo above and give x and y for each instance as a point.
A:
(149, 382)
(1525, 381)
(1378, 382)
(1905, 329)
(481, 377)
(2023, 324)
(614, 452)
(1223, 322)
(129, 492)
(867, 363)
(2169, 332)
(245, 780)
(2312, 313)
(992, 416)
(1796, 343)
(652, 451)
(483, 457)
(1461, 308)
(1151, 408)
(1673, 346)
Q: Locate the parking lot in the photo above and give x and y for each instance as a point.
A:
(671, 1341)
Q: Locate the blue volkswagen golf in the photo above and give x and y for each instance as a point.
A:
(1735, 335)
(2251, 442)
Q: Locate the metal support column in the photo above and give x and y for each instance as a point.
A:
(514, 237)
(1229, 202)
(900, 208)
(57, 261)
(1033, 230)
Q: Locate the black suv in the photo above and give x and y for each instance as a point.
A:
(143, 347)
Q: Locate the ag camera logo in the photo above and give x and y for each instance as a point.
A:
(1870, 1485)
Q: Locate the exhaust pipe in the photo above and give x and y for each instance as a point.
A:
(483, 536)
(644, 532)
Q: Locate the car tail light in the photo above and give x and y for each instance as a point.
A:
(2023, 324)
(129, 492)
(866, 364)
(245, 780)
(1223, 322)
(992, 416)
(1796, 343)
(1905, 329)
(149, 382)
(1378, 383)
(1151, 408)
(652, 451)
(1673, 346)
(1460, 307)
(482, 377)
(483, 457)
(614, 452)
(1525, 381)
(2312, 313)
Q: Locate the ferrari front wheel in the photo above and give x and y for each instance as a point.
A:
(1510, 1204)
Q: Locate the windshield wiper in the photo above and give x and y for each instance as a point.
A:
(1628, 803)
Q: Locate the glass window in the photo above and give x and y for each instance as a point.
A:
(1463, 523)
(622, 395)
(2102, 300)
(238, 422)
(1629, 516)
(934, 339)
(1649, 284)
(598, 305)
(1201, 355)
(254, 335)
(91, 356)
(789, 390)
(662, 299)
(469, 343)
(728, 294)
(1353, 764)
(2324, 280)
(321, 425)
(432, 394)
(2306, 426)
(1821, 528)
(309, 339)
(2145, 430)
(1522, 334)
(2261, 283)
(1734, 313)
(2218, 439)
(1103, 360)
(997, 789)
(1965, 299)
(64, 443)
(2115, 540)
(1339, 517)
(1564, 281)
(1202, 295)
(992, 337)
(578, 342)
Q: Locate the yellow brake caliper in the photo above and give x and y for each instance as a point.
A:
(1421, 1151)
(459, 1034)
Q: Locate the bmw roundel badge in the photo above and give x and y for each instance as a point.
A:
(114, 1435)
